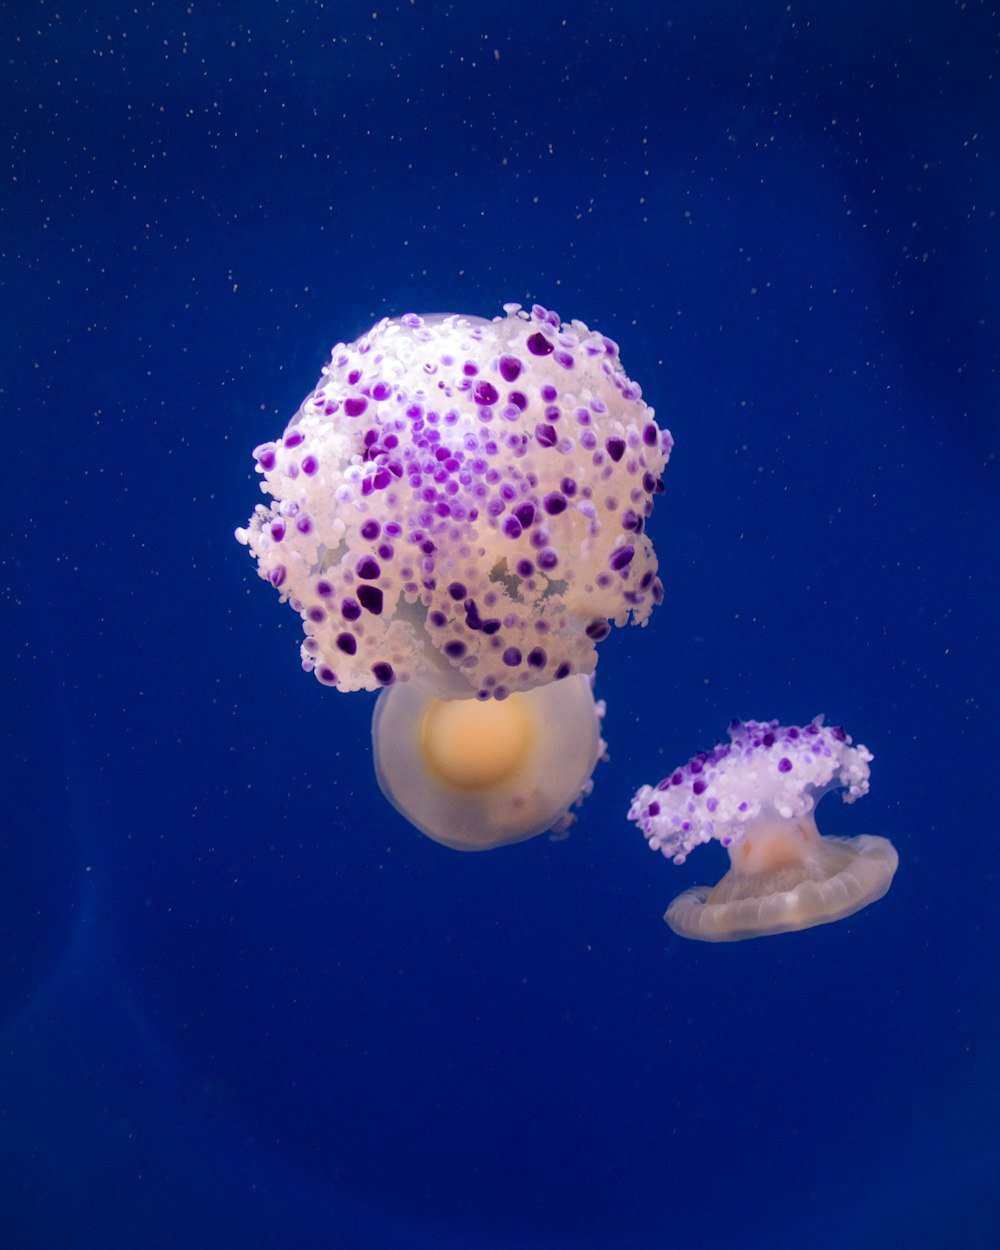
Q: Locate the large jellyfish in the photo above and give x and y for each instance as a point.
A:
(458, 514)
(757, 796)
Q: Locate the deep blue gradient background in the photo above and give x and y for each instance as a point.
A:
(242, 1003)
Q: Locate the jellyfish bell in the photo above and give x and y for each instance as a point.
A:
(458, 512)
(757, 795)
(463, 499)
(477, 774)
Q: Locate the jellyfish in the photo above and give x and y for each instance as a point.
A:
(458, 514)
(757, 795)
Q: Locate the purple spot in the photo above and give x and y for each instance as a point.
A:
(510, 368)
(457, 590)
(767, 740)
(293, 438)
(616, 448)
(309, 465)
(512, 657)
(511, 527)
(368, 568)
(355, 406)
(518, 399)
(383, 673)
(525, 513)
(347, 643)
(265, 457)
(565, 359)
(784, 764)
(327, 676)
(485, 393)
(370, 598)
(371, 530)
(597, 630)
(277, 530)
(539, 345)
(546, 435)
(650, 434)
(699, 787)
(324, 590)
(621, 558)
(631, 521)
(455, 649)
(563, 670)
(548, 558)
(350, 610)
(554, 503)
(537, 658)
(277, 575)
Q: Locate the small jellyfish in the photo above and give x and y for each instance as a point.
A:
(458, 514)
(757, 796)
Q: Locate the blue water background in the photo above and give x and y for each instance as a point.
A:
(242, 1003)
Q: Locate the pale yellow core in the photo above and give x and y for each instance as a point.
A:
(771, 848)
(471, 744)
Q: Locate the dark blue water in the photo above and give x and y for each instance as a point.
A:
(242, 1003)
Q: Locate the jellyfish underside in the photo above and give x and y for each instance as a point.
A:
(474, 775)
(785, 876)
